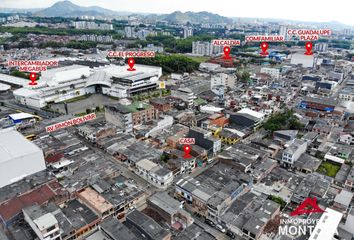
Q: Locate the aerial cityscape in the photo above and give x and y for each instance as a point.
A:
(176, 120)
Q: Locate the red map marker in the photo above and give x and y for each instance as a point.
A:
(33, 78)
(308, 47)
(131, 63)
(227, 51)
(264, 47)
(187, 149)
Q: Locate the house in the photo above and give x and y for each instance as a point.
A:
(170, 210)
(147, 226)
(342, 201)
(157, 175)
(349, 183)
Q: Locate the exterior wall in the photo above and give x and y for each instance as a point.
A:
(54, 234)
(144, 116)
(120, 120)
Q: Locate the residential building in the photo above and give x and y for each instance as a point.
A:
(273, 72)
(187, 32)
(223, 79)
(349, 182)
(147, 226)
(119, 116)
(321, 47)
(45, 225)
(292, 153)
(154, 173)
(170, 209)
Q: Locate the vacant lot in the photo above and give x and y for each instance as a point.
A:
(81, 105)
(328, 169)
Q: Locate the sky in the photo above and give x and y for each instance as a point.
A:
(303, 10)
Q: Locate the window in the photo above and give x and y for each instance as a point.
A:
(51, 228)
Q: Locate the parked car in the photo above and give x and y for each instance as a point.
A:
(209, 222)
(231, 234)
(220, 228)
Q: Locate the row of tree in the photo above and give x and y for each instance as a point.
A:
(171, 63)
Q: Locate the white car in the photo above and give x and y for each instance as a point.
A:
(220, 228)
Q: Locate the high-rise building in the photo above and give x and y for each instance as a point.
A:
(321, 47)
(129, 33)
(205, 48)
(282, 31)
(187, 32)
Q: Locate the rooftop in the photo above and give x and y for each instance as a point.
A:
(95, 200)
(14, 145)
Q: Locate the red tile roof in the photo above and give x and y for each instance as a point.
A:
(13, 207)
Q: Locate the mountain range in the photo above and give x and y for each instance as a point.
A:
(69, 9)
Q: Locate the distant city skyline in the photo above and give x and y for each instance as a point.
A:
(300, 10)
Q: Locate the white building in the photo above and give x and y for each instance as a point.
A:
(64, 83)
(294, 151)
(157, 175)
(92, 25)
(282, 31)
(209, 67)
(185, 94)
(307, 61)
(273, 72)
(326, 227)
(223, 79)
(129, 32)
(18, 157)
(206, 48)
(321, 47)
(187, 32)
(45, 225)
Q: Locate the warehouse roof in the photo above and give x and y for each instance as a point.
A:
(13, 145)
(251, 112)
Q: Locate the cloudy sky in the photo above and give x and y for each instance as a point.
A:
(306, 10)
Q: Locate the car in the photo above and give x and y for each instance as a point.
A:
(210, 223)
(230, 234)
(220, 228)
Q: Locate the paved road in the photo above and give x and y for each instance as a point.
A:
(216, 233)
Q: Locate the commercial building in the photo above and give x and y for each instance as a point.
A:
(205, 139)
(247, 118)
(307, 61)
(19, 157)
(64, 83)
(319, 103)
